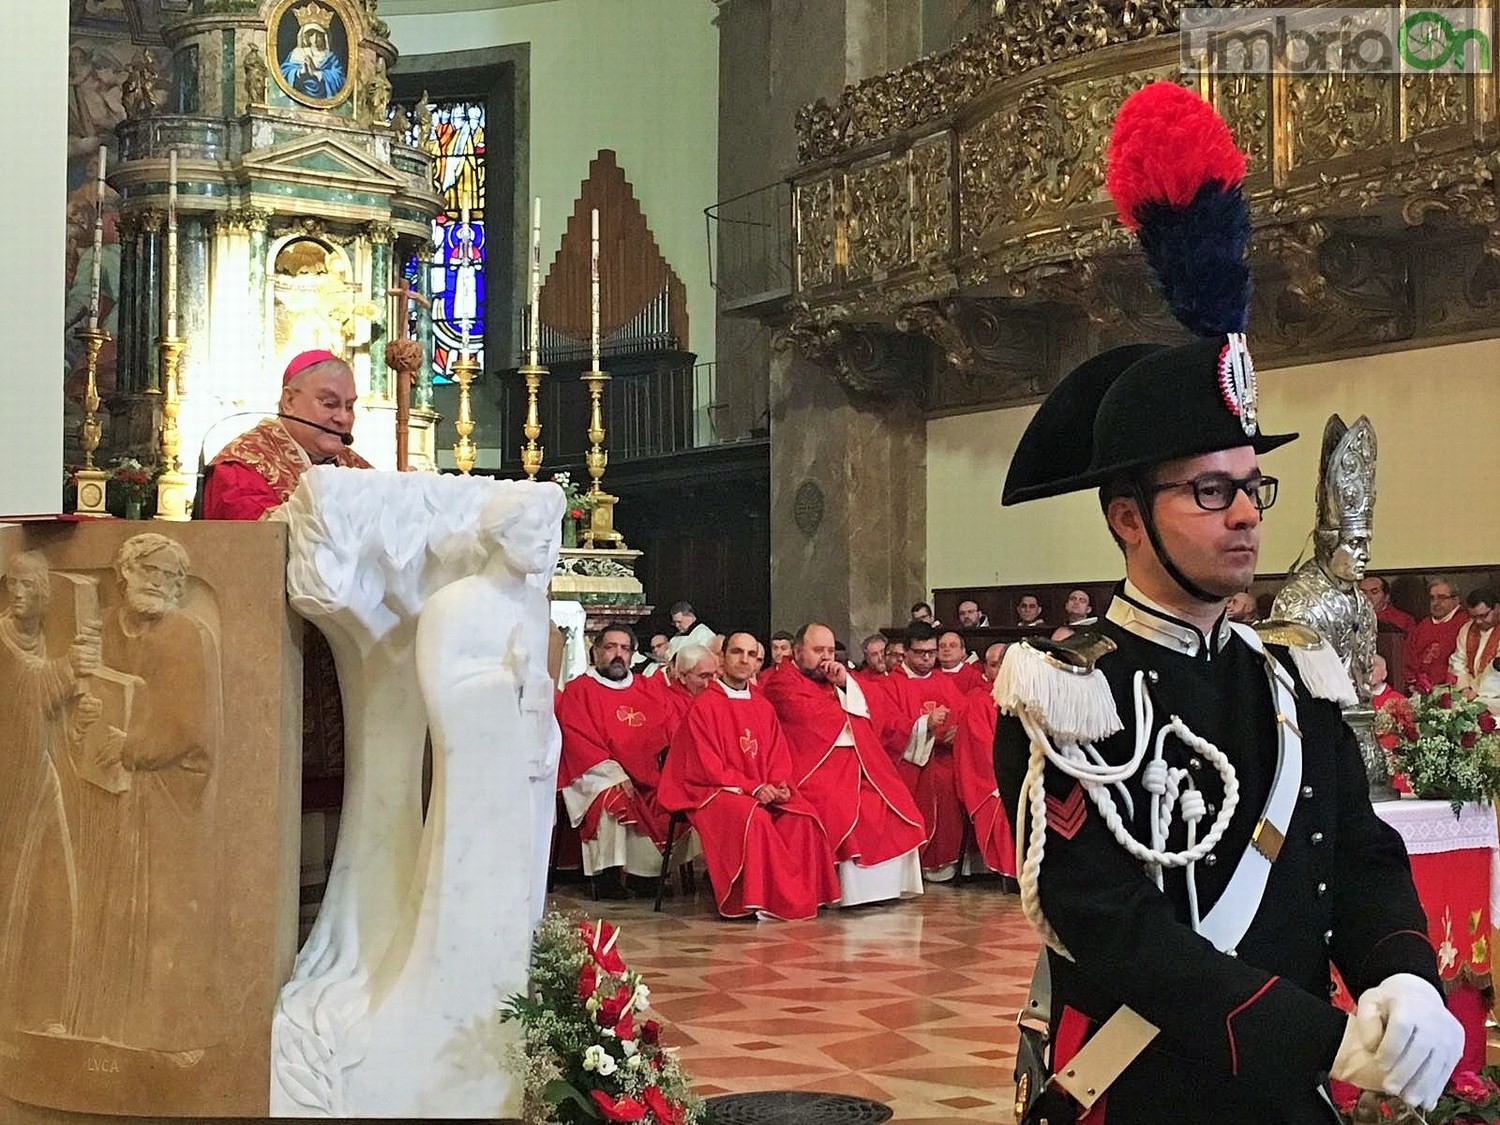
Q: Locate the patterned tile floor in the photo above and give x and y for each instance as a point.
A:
(911, 1004)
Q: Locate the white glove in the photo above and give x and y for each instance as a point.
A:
(1422, 1041)
(1355, 1062)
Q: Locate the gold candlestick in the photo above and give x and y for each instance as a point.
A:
(464, 451)
(174, 492)
(89, 479)
(601, 532)
(531, 452)
(598, 457)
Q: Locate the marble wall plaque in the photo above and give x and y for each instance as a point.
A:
(150, 711)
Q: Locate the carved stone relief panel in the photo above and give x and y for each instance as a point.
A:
(1434, 100)
(1327, 289)
(1006, 354)
(931, 197)
(817, 220)
(1041, 153)
(1244, 102)
(877, 217)
(869, 361)
(1332, 115)
(149, 822)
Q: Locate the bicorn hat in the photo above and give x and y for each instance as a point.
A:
(1175, 175)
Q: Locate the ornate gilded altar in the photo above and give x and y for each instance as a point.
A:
(296, 204)
(952, 239)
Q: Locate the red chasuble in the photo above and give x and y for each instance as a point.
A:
(967, 676)
(259, 471)
(974, 769)
(1397, 618)
(678, 700)
(868, 813)
(932, 784)
(1438, 638)
(627, 725)
(771, 858)
(255, 474)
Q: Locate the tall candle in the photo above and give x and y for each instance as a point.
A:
(536, 281)
(98, 242)
(594, 294)
(465, 264)
(172, 244)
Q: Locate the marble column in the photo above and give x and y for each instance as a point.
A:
(256, 222)
(848, 503)
(192, 300)
(381, 236)
(422, 393)
(127, 373)
(148, 301)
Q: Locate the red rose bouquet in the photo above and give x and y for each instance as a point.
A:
(1446, 745)
(1471, 1099)
(588, 1053)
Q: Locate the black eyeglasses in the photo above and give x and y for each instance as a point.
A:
(1213, 492)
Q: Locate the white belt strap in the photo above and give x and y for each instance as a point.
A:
(1229, 920)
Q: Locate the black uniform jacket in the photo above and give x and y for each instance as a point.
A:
(1249, 1037)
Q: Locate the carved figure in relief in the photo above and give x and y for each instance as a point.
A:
(378, 94)
(1324, 591)
(40, 712)
(255, 77)
(138, 89)
(480, 683)
(145, 854)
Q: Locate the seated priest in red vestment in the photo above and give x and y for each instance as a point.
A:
(1431, 642)
(730, 769)
(614, 729)
(840, 766)
(259, 470)
(1377, 592)
(953, 660)
(692, 669)
(974, 769)
(919, 732)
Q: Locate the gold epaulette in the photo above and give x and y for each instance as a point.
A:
(1077, 654)
(1318, 662)
(1289, 634)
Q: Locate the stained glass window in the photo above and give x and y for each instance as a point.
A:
(455, 137)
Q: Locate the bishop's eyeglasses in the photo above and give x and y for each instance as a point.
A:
(1213, 492)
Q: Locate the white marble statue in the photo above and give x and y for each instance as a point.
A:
(432, 593)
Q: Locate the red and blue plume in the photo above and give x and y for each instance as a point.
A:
(1175, 174)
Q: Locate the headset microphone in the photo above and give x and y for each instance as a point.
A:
(203, 470)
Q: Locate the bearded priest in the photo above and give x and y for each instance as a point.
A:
(614, 730)
(870, 816)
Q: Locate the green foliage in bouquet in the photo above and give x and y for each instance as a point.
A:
(1446, 745)
(587, 1052)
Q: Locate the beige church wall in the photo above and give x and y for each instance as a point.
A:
(1433, 410)
(640, 78)
(33, 57)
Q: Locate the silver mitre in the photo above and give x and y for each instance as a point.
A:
(1346, 480)
(1324, 591)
